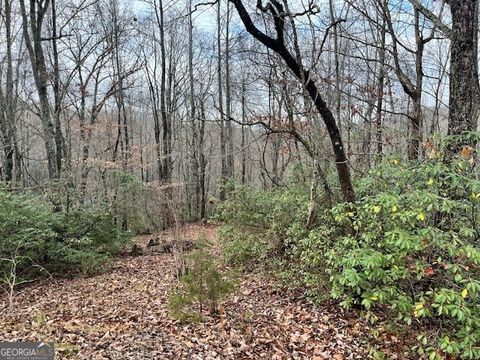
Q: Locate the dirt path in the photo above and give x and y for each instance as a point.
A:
(123, 314)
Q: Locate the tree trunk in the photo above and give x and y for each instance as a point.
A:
(7, 112)
(336, 55)
(243, 141)
(305, 76)
(59, 140)
(380, 92)
(202, 163)
(193, 182)
(33, 42)
(166, 125)
(223, 146)
(229, 171)
(464, 86)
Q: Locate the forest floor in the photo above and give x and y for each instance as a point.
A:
(123, 313)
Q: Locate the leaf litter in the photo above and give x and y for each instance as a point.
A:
(123, 313)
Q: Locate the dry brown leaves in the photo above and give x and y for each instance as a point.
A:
(123, 314)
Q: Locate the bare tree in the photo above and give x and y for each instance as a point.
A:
(8, 105)
(413, 88)
(464, 82)
(33, 19)
(278, 45)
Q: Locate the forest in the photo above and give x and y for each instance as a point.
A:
(239, 179)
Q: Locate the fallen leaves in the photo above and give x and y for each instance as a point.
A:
(429, 271)
(467, 152)
(123, 314)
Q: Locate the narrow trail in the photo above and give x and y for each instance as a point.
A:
(123, 314)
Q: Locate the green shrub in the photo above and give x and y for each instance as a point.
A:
(269, 229)
(36, 236)
(26, 224)
(303, 265)
(410, 250)
(130, 201)
(257, 222)
(203, 285)
(407, 251)
(243, 247)
(86, 238)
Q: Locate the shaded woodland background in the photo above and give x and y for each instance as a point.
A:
(334, 143)
(179, 97)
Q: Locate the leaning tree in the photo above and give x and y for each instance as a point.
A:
(278, 44)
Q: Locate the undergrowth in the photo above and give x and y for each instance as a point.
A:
(406, 252)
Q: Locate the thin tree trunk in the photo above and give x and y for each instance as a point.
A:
(380, 92)
(59, 140)
(33, 41)
(229, 171)
(223, 155)
(243, 141)
(194, 180)
(336, 55)
(202, 163)
(166, 125)
(413, 90)
(7, 115)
